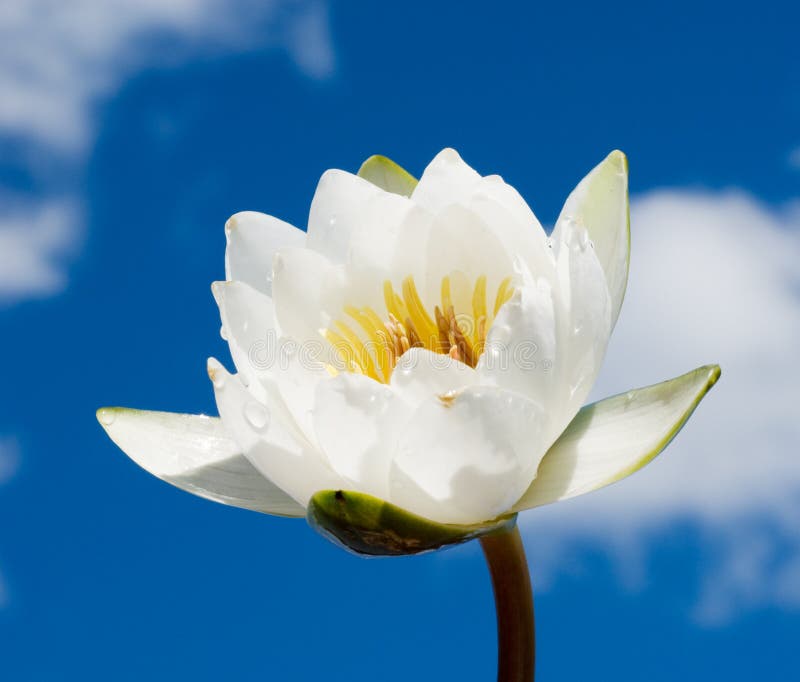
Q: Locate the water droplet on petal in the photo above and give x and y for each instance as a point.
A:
(106, 417)
(256, 415)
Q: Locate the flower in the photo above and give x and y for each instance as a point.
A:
(423, 344)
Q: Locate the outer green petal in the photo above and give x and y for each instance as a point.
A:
(600, 203)
(613, 438)
(194, 453)
(387, 175)
(367, 525)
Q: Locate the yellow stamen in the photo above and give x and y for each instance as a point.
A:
(394, 304)
(382, 341)
(478, 309)
(361, 356)
(447, 299)
(504, 292)
(424, 326)
(377, 340)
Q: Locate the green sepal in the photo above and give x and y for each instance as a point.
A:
(369, 526)
(387, 175)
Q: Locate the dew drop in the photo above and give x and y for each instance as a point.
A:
(106, 417)
(256, 415)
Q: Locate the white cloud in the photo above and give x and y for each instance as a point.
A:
(714, 278)
(59, 59)
(35, 240)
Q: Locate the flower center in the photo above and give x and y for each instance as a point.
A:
(457, 330)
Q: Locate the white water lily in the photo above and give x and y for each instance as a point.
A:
(424, 343)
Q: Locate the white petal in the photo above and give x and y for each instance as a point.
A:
(460, 241)
(449, 180)
(268, 437)
(357, 223)
(195, 453)
(522, 350)
(337, 208)
(264, 356)
(357, 422)
(600, 204)
(248, 321)
(446, 180)
(467, 459)
(305, 286)
(296, 379)
(421, 374)
(253, 238)
(613, 438)
(387, 224)
(311, 294)
(583, 314)
(514, 224)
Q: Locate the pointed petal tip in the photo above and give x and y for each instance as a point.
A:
(106, 416)
(613, 438)
(389, 176)
(230, 224)
(714, 373)
(215, 370)
(449, 154)
(374, 159)
(237, 218)
(216, 290)
(618, 158)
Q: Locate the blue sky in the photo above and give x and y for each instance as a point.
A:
(129, 132)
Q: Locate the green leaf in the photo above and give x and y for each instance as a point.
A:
(387, 175)
(370, 526)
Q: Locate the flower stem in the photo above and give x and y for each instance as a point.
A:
(511, 582)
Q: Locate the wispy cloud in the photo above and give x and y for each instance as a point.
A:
(37, 239)
(59, 60)
(714, 278)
